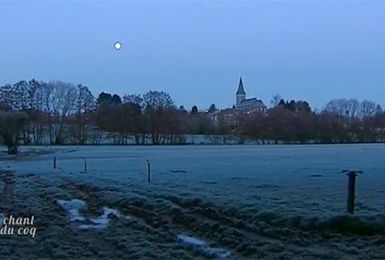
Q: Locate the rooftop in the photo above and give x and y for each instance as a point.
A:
(252, 102)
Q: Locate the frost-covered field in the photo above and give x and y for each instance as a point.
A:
(203, 201)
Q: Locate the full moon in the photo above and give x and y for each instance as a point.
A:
(117, 45)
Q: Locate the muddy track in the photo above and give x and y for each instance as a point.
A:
(245, 235)
(57, 238)
(159, 218)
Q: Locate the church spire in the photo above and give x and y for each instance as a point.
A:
(241, 94)
(240, 87)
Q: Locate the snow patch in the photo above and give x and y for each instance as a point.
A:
(204, 247)
(102, 221)
(191, 241)
(73, 206)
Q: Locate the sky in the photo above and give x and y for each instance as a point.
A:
(197, 50)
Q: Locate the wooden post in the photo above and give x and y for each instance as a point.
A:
(351, 191)
(54, 162)
(85, 165)
(148, 171)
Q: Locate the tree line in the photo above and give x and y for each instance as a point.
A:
(56, 112)
(341, 121)
(60, 113)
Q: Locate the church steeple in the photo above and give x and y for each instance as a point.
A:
(240, 87)
(241, 94)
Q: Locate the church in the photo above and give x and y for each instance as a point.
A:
(247, 105)
(242, 105)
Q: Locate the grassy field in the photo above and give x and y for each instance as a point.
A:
(237, 202)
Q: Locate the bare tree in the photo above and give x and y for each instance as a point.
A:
(134, 99)
(157, 105)
(85, 105)
(275, 100)
(36, 113)
(367, 108)
(343, 107)
(352, 107)
(59, 102)
(7, 98)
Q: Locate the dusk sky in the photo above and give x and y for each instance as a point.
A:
(197, 50)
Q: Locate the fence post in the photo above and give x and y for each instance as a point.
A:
(54, 162)
(148, 171)
(351, 190)
(85, 165)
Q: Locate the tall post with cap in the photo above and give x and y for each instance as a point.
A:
(351, 190)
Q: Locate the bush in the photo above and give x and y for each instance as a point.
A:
(11, 123)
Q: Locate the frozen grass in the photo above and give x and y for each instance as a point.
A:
(253, 201)
(295, 180)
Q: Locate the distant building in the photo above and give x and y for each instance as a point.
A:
(242, 105)
(247, 105)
